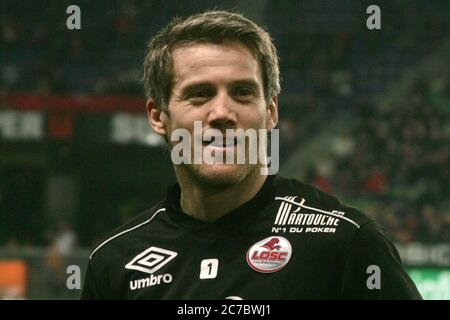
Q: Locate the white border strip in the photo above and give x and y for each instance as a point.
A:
(280, 212)
(125, 231)
(287, 199)
(287, 211)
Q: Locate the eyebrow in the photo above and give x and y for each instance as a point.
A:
(207, 84)
(247, 82)
(197, 85)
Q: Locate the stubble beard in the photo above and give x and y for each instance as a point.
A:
(209, 178)
(216, 177)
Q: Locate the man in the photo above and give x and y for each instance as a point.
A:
(226, 230)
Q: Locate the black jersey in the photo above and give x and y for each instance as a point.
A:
(291, 241)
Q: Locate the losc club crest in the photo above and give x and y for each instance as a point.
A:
(269, 255)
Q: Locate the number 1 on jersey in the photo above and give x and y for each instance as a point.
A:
(208, 268)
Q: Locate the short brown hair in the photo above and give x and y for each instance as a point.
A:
(213, 27)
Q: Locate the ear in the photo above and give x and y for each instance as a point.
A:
(272, 114)
(156, 117)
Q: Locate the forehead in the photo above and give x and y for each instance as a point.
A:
(226, 61)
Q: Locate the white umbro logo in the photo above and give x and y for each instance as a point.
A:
(151, 260)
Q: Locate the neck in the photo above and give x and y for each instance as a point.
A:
(208, 203)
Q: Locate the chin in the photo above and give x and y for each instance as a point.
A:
(220, 175)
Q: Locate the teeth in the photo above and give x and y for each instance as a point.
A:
(229, 142)
(224, 143)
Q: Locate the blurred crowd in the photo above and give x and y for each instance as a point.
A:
(40, 55)
(393, 154)
(325, 47)
(397, 154)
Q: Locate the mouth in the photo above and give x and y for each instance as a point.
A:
(225, 143)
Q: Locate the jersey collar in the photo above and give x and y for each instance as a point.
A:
(233, 221)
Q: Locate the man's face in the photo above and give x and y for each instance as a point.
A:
(221, 86)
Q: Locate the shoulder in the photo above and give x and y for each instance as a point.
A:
(374, 263)
(371, 241)
(124, 235)
(110, 255)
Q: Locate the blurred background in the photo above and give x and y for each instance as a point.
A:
(364, 114)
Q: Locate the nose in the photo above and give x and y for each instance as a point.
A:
(222, 114)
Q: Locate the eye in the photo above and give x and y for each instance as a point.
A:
(243, 92)
(199, 96)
